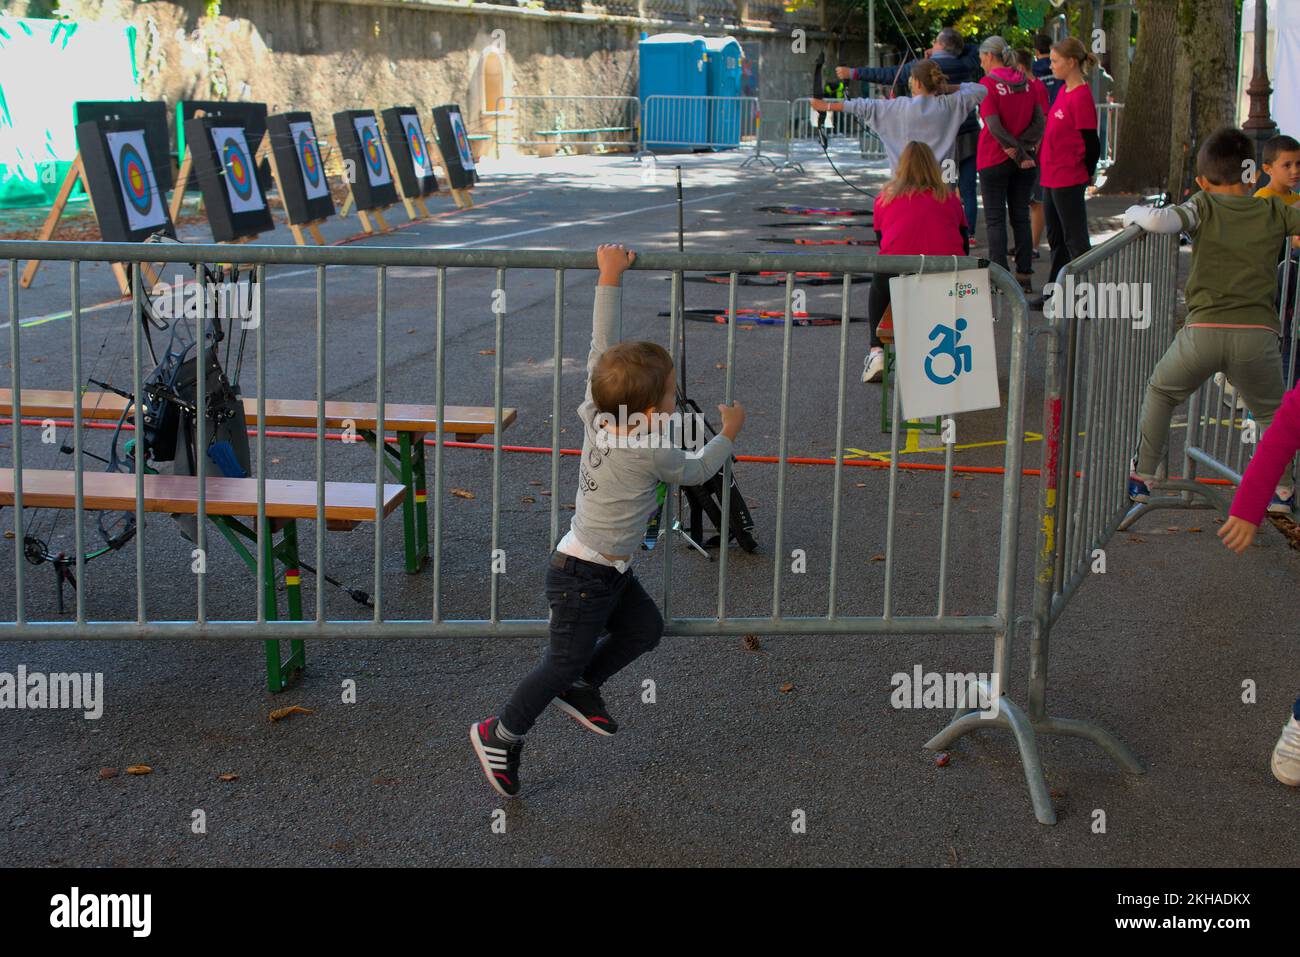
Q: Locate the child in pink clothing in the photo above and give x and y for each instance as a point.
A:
(1276, 450)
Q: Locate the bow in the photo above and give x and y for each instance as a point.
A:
(166, 400)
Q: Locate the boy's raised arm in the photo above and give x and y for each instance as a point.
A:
(612, 260)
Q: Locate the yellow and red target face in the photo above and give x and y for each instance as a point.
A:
(135, 181)
(236, 163)
(370, 143)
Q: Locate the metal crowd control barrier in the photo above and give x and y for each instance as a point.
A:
(1108, 118)
(995, 622)
(549, 123)
(699, 122)
(1111, 321)
(847, 135)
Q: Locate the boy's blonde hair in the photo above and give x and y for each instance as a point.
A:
(632, 376)
(917, 172)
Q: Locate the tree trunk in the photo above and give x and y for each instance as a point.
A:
(1204, 84)
(1117, 42)
(1146, 117)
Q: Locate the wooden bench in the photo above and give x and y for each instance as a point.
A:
(227, 500)
(588, 131)
(410, 423)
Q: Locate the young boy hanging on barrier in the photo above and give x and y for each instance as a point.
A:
(1232, 324)
(626, 453)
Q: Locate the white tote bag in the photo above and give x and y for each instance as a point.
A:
(943, 338)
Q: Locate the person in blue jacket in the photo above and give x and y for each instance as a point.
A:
(1043, 66)
(960, 63)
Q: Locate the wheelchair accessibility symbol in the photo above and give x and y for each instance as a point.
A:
(958, 357)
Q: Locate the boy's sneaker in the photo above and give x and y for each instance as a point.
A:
(1138, 490)
(499, 758)
(585, 706)
(1286, 754)
(874, 365)
(1283, 502)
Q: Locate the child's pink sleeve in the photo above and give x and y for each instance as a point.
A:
(1275, 452)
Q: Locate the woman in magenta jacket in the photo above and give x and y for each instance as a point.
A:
(1069, 154)
(1013, 125)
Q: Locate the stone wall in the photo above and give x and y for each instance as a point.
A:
(328, 55)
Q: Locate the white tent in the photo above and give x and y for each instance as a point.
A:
(1283, 62)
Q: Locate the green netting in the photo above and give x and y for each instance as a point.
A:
(45, 67)
(1031, 13)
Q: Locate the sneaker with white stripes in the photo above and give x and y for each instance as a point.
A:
(1286, 754)
(498, 757)
(1283, 502)
(873, 366)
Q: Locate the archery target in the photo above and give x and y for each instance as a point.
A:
(415, 140)
(462, 141)
(309, 161)
(144, 207)
(237, 167)
(372, 151)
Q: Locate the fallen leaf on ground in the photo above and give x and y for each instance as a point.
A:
(956, 494)
(534, 482)
(786, 688)
(106, 773)
(139, 769)
(746, 328)
(235, 777)
(1194, 528)
(750, 643)
(859, 484)
(1134, 538)
(719, 365)
(567, 505)
(275, 461)
(9, 535)
(463, 493)
(487, 352)
(410, 332)
(545, 491)
(877, 558)
(280, 713)
(1057, 793)
(528, 500)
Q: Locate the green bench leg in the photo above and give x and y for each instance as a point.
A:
(421, 501)
(278, 671)
(934, 427)
(409, 470)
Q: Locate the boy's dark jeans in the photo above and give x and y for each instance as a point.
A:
(586, 601)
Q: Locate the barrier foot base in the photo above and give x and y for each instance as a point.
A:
(1212, 496)
(758, 159)
(1117, 749)
(1009, 718)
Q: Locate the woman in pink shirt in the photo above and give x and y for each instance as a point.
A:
(915, 213)
(1069, 155)
(1013, 125)
(1276, 449)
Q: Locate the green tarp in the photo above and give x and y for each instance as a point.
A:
(45, 67)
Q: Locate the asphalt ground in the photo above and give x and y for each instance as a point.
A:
(738, 738)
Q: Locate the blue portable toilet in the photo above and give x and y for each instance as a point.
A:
(724, 75)
(673, 64)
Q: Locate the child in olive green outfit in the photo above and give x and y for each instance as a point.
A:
(1232, 323)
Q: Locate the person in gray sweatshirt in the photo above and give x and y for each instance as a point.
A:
(931, 115)
(591, 590)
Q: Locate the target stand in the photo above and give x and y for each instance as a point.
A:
(454, 150)
(293, 148)
(371, 189)
(113, 164)
(410, 159)
(217, 153)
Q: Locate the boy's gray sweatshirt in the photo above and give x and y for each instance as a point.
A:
(933, 120)
(617, 484)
